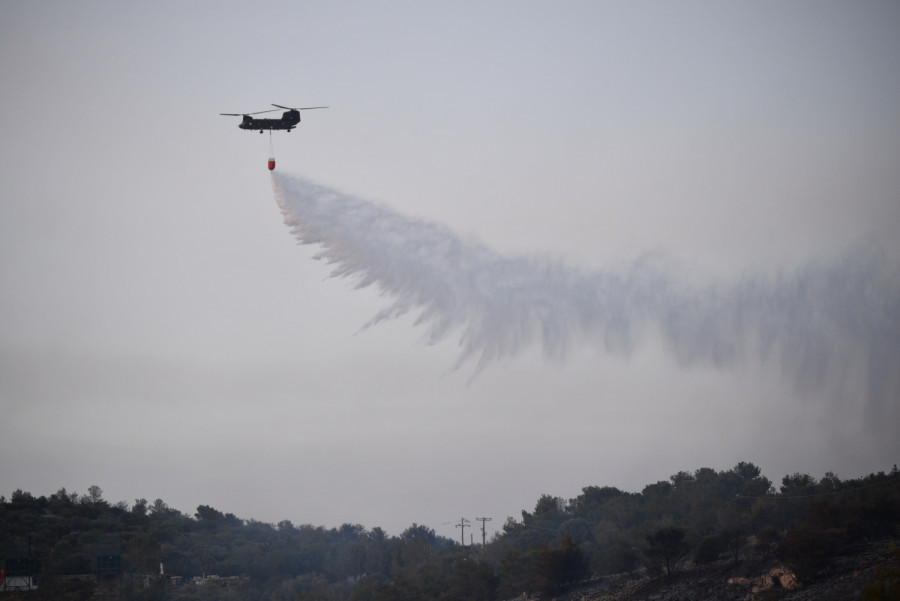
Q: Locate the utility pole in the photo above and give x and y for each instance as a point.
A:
(483, 531)
(463, 522)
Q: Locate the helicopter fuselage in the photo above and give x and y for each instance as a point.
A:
(288, 121)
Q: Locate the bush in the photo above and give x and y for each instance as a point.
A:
(709, 550)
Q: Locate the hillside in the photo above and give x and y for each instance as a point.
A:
(858, 574)
(705, 534)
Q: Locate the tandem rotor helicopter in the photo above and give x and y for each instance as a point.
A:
(289, 119)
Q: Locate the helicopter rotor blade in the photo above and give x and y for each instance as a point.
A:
(306, 108)
(245, 114)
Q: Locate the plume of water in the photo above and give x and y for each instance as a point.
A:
(832, 327)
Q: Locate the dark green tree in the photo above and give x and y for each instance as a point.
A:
(619, 556)
(667, 546)
(708, 550)
(208, 515)
(733, 540)
(561, 566)
(471, 580)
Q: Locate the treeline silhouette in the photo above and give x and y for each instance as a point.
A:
(74, 546)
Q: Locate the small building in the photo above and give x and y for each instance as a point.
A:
(19, 574)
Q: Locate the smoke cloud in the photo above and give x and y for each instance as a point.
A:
(834, 329)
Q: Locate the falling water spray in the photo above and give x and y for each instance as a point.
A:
(833, 328)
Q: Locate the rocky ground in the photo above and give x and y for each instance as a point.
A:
(843, 579)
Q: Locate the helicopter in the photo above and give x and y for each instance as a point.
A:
(289, 119)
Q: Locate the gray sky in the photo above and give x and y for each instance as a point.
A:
(162, 335)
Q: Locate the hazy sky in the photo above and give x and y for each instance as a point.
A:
(163, 335)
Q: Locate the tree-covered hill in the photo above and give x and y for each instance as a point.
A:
(80, 546)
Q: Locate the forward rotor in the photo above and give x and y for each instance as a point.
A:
(305, 108)
(247, 114)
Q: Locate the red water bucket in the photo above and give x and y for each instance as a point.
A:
(272, 164)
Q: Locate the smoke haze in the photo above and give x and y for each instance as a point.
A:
(753, 143)
(833, 328)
